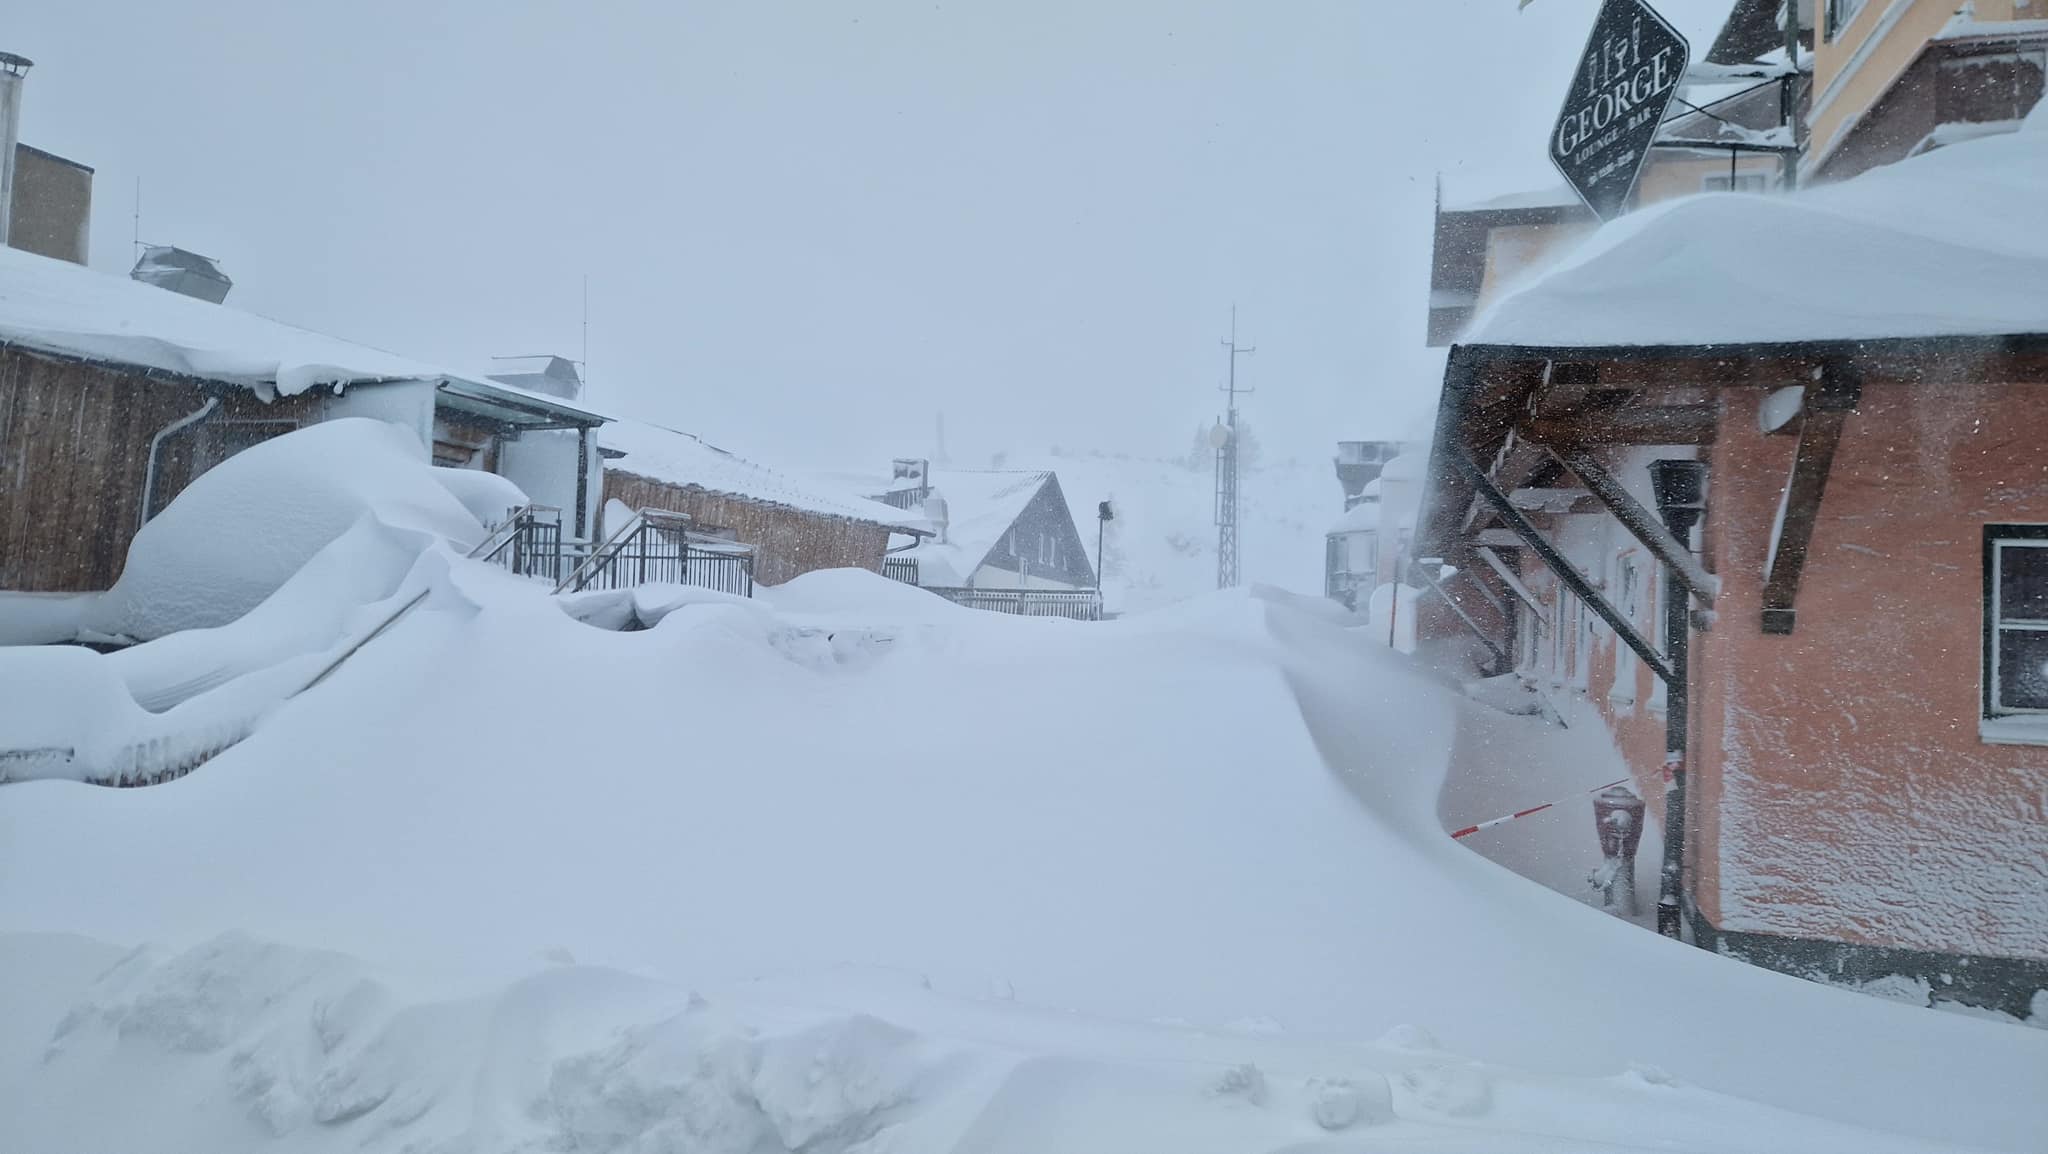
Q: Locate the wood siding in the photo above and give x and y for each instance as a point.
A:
(787, 541)
(1046, 516)
(74, 451)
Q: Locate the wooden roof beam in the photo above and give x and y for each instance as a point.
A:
(1640, 425)
(1642, 524)
(1566, 572)
(1827, 410)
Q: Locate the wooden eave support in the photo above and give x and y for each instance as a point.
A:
(1435, 586)
(1566, 572)
(1514, 583)
(1641, 523)
(1638, 425)
(1517, 462)
(1828, 405)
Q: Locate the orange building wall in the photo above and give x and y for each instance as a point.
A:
(1843, 790)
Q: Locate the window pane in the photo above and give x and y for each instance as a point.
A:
(2022, 669)
(2023, 582)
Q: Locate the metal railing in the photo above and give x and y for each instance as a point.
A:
(1075, 604)
(528, 542)
(657, 547)
(902, 569)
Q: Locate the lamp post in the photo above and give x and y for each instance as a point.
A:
(1103, 516)
(1681, 488)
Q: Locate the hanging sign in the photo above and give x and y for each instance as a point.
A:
(1627, 77)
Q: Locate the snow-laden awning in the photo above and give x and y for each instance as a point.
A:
(1943, 245)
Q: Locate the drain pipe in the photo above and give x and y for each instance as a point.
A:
(1681, 498)
(156, 445)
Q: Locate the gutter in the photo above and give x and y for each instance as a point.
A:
(156, 444)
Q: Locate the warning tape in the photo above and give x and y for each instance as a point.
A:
(1469, 830)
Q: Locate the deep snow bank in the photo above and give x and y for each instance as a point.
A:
(1137, 820)
(244, 527)
(238, 1043)
(258, 576)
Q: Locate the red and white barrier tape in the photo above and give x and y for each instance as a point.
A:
(1469, 830)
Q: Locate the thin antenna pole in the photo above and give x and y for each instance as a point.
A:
(1226, 467)
(584, 362)
(137, 254)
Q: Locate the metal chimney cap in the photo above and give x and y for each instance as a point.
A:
(15, 65)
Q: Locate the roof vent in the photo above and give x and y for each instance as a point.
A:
(183, 272)
(545, 373)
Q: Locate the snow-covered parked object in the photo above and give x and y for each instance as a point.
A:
(240, 531)
(1944, 244)
(154, 711)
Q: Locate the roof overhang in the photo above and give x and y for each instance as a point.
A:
(1493, 394)
(511, 408)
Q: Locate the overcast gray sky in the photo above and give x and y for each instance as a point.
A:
(810, 227)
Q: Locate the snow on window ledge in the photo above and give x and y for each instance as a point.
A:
(2027, 730)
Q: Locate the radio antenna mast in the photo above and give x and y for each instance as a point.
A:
(1225, 436)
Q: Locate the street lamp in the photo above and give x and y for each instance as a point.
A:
(1681, 491)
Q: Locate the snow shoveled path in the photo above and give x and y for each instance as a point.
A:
(931, 870)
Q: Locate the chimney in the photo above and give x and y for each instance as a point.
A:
(13, 72)
(935, 511)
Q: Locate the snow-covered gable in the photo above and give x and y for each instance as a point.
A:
(677, 458)
(56, 307)
(1945, 244)
(981, 505)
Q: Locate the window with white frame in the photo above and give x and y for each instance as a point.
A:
(1737, 182)
(1841, 14)
(1628, 600)
(2015, 620)
(1654, 597)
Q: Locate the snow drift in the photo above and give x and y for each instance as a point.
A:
(929, 874)
(252, 582)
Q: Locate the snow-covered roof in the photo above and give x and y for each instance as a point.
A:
(981, 505)
(1552, 196)
(1360, 518)
(57, 307)
(1945, 244)
(679, 458)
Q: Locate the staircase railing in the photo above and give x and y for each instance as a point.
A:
(657, 546)
(528, 542)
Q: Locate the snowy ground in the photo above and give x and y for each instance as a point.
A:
(849, 868)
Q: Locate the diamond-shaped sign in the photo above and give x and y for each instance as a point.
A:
(1626, 79)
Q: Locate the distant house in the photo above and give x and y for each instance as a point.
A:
(1351, 566)
(115, 394)
(1002, 539)
(792, 526)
